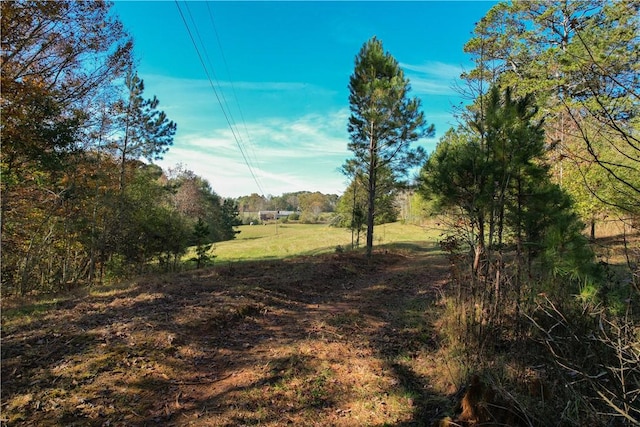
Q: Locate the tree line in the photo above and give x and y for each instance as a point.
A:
(548, 143)
(307, 205)
(81, 199)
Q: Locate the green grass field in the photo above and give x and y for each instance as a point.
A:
(255, 242)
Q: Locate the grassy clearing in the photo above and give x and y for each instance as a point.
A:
(264, 242)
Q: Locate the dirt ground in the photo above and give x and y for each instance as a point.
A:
(318, 341)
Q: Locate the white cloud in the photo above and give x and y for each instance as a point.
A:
(285, 151)
(435, 68)
(433, 77)
(201, 84)
(285, 155)
(265, 86)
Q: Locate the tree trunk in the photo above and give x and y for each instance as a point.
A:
(370, 216)
(353, 214)
(480, 245)
(92, 248)
(372, 192)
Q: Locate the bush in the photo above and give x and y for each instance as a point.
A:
(246, 220)
(597, 358)
(308, 218)
(117, 267)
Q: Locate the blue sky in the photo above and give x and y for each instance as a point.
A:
(277, 120)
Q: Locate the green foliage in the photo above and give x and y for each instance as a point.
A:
(565, 250)
(383, 124)
(494, 173)
(56, 58)
(511, 228)
(229, 219)
(201, 233)
(194, 198)
(66, 217)
(116, 268)
(252, 203)
(580, 60)
(351, 211)
(151, 227)
(313, 202)
(145, 131)
(450, 175)
(413, 208)
(352, 206)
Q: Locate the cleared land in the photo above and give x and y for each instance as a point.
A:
(298, 340)
(278, 241)
(282, 330)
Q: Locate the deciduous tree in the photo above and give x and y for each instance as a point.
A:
(581, 61)
(56, 58)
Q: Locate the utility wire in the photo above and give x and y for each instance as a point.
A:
(226, 116)
(213, 71)
(224, 98)
(233, 88)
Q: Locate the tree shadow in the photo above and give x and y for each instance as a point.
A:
(428, 407)
(409, 294)
(114, 356)
(412, 247)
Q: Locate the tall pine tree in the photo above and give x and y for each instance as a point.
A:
(146, 131)
(384, 122)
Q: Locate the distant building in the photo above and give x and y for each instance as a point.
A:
(270, 215)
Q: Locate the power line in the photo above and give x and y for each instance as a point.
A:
(226, 116)
(213, 71)
(233, 88)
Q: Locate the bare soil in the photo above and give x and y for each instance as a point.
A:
(328, 340)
